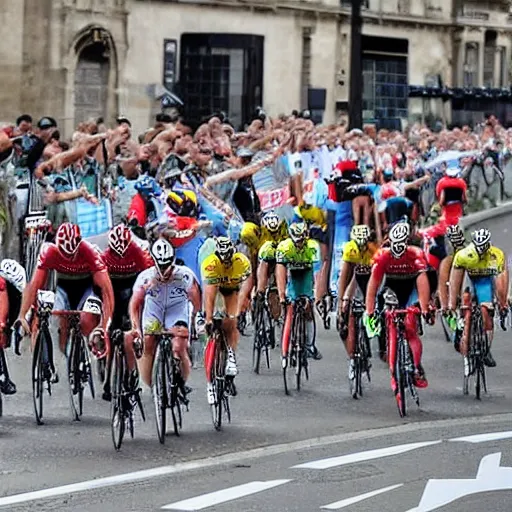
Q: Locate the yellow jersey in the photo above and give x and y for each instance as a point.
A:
(213, 271)
(491, 264)
(361, 259)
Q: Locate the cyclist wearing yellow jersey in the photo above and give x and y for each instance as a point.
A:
(486, 268)
(357, 266)
(316, 219)
(273, 232)
(224, 271)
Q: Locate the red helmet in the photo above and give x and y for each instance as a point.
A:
(119, 238)
(68, 238)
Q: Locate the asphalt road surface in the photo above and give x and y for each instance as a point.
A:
(320, 422)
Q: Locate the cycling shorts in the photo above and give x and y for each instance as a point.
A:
(300, 283)
(72, 293)
(123, 289)
(156, 317)
(405, 290)
(483, 288)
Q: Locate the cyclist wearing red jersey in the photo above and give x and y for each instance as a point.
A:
(81, 272)
(404, 267)
(451, 194)
(125, 260)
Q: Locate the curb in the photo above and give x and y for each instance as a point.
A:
(476, 218)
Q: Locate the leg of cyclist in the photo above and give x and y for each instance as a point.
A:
(180, 347)
(392, 345)
(263, 276)
(322, 278)
(488, 318)
(230, 328)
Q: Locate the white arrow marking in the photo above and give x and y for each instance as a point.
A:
(232, 493)
(483, 438)
(356, 499)
(362, 456)
(490, 477)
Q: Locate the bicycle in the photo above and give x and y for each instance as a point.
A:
(43, 367)
(362, 352)
(266, 318)
(168, 386)
(79, 367)
(124, 398)
(478, 348)
(216, 356)
(37, 227)
(294, 354)
(404, 369)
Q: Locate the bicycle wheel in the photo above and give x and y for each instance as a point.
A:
(175, 399)
(117, 413)
(86, 366)
(38, 377)
(218, 383)
(76, 388)
(3, 371)
(258, 337)
(160, 393)
(300, 347)
(401, 379)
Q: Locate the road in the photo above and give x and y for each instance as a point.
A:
(322, 419)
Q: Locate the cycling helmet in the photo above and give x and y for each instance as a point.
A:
(250, 235)
(271, 222)
(224, 249)
(455, 235)
(183, 203)
(119, 238)
(360, 234)
(398, 236)
(68, 238)
(481, 239)
(163, 255)
(14, 273)
(298, 232)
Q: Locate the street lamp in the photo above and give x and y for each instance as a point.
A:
(355, 105)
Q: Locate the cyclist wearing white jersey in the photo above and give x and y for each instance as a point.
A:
(165, 291)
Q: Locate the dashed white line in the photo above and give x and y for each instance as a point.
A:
(356, 499)
(351, 458)
(229, 494)
(484, 438)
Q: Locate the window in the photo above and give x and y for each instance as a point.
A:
(502, 66)
(306, 68)
(471, 65)
(385, 90)
(169, 78)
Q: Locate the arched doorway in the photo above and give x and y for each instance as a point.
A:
(92, 77)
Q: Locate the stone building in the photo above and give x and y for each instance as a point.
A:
(76, 59)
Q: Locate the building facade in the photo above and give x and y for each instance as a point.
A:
(77, 59)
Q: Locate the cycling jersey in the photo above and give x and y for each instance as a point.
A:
(401, 273)
(165, 303)
(454, 191)
(492, 263)
(213, 271)
(396, 208)
(299, 261)
(362, 260)
(86, 261)
(255, 244)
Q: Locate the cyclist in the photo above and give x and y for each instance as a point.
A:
(485, 266)
(223, 272)
(457, 240)
(274, 231)
(164, 293)
(451, 193)
(125, 260)
(13, 280)
(357, 260)
(295, 258)
(81, 273)
(404, 268)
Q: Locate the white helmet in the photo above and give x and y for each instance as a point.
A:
(360, 234)
(271, 221)
(398, 236)
(455, 235)
(481, 239)
(163, 255)
(13, 272)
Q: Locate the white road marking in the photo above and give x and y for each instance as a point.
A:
(483, 438)
(356, 499)
(229, 494)
(490, 477)
(255, 453)
(362, 456)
